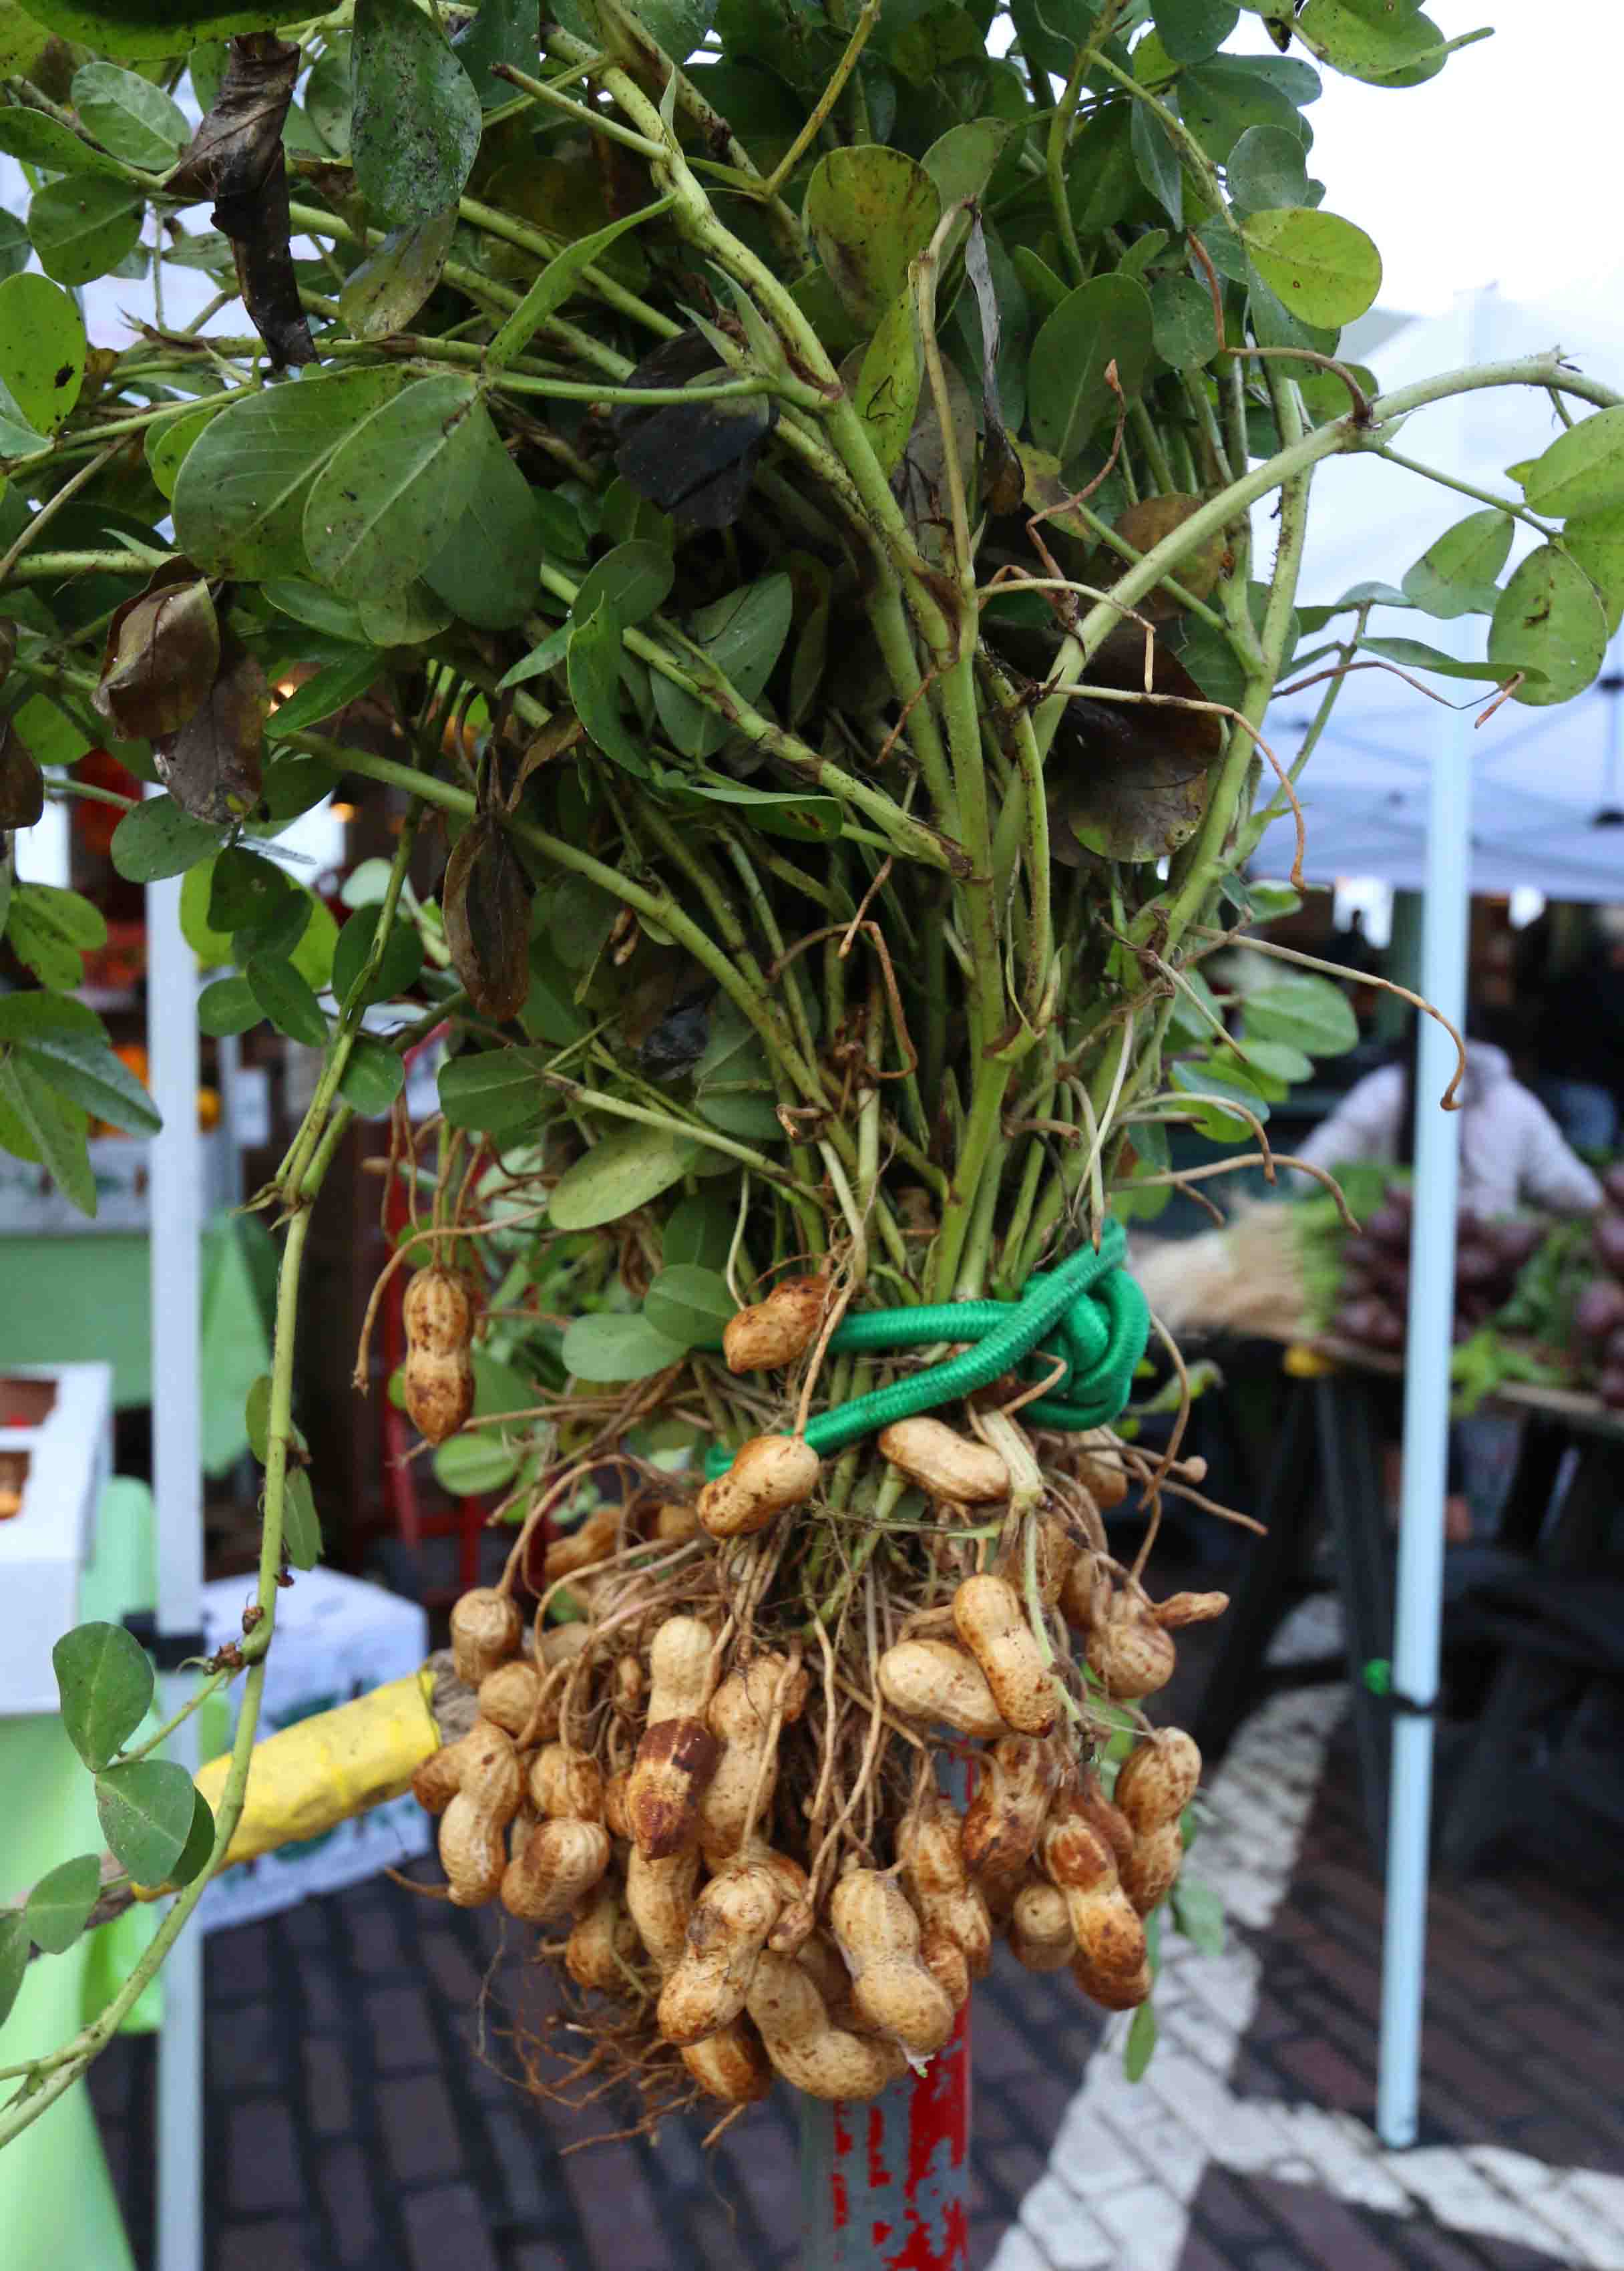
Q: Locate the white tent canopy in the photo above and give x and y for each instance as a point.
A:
(1547, 808)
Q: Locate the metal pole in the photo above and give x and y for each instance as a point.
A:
(884, 2183)
(177, 1490)
(1420, 1589)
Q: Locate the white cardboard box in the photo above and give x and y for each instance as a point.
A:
(337, 1638)
(43, 1550)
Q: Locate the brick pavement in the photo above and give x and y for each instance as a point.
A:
(356, 2120)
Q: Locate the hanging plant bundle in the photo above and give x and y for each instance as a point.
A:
(768, 493)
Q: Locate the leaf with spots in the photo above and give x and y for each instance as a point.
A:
(415, 125)
(380, 509)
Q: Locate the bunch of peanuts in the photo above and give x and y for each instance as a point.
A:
(663, 1877)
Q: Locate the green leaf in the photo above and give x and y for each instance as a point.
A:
(1192, 30)
(489, 566)
(415, 125)
(804, 815)
(68, 1046)
(403, 618)
(1326, 270)
(1377, 45)
(635, 578)
(1199, 1912)
(1158, 163)
(1267, 170)
(619, 1175)
(1450, 576)
(1596, 542)
(13, 1959)
(613, 1347)
(1304, 1012)
(130, 116)
(14, 246)
(146, 1810)
(1583, 470)
(53, 1126)
(199, 1846)
(379, 508)
(494, 1092)
(1105, 321)
(256, 1421)
(557, 279)
(240, 498)
(741, 635)
(312, 956)
(334, 686)
(698, 1234)
(1183, 323)
(227, 1005)
(503, 32)
(44, 142)
(22, 39)
(328, 97)
(595, 650)
(41, 349)
(386, 291)
(547, 656)
(301, 1525)
(286, 1000)
(1222, 99)
(59, 1906)
(550, 1013)
(82, 226)
(1550, 617)
(887, 393)
(1141, 2046)
(143, 30)
(1415, 654)
(373, 1078)
(105, 1682)
(166, 446)
(870, 210)
(473, 1465)
(689, 1305)
(45, 935)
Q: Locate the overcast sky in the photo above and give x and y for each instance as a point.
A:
(1494, 172)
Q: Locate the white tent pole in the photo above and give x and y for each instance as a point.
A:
(177, 1488)
(1419, 1587)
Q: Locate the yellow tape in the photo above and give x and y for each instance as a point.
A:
(319, 1772)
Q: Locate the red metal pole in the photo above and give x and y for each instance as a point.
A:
(885, 2183)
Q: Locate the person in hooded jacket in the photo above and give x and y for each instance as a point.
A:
(1512, 1154)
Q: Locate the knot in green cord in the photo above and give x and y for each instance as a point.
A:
(1088, 1314)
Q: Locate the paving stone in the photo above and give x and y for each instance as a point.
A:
(417, 2122)
(261, 2157)
(279, 2246)
(403, 2035)
(345, 2181)
(1071, 2239)
(535, 2255)
(1329, 2234)
(328, 2102)
(446, 2226)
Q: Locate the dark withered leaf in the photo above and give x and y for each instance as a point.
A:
(22, 784)
(675, 1044)
(211, 766)
(235, 157)
(1127, 780)
(1002, 480)
(694, 460)
(485, 903)
(161, 655)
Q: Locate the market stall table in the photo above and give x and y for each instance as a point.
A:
(1323, 1488)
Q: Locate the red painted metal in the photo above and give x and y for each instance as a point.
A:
(885, 2184)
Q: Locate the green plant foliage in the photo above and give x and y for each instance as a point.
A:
(57, 1908)
(793, 555)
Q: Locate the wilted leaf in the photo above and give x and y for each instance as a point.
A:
(1127, 780)
(236, 158)
(485, 903)
(386, 291)
(22, 784)
(870, 210)
(694, 460)
(415, 126)
(211, 766)
(161, 655)
(920, 481)
(1002, 480)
